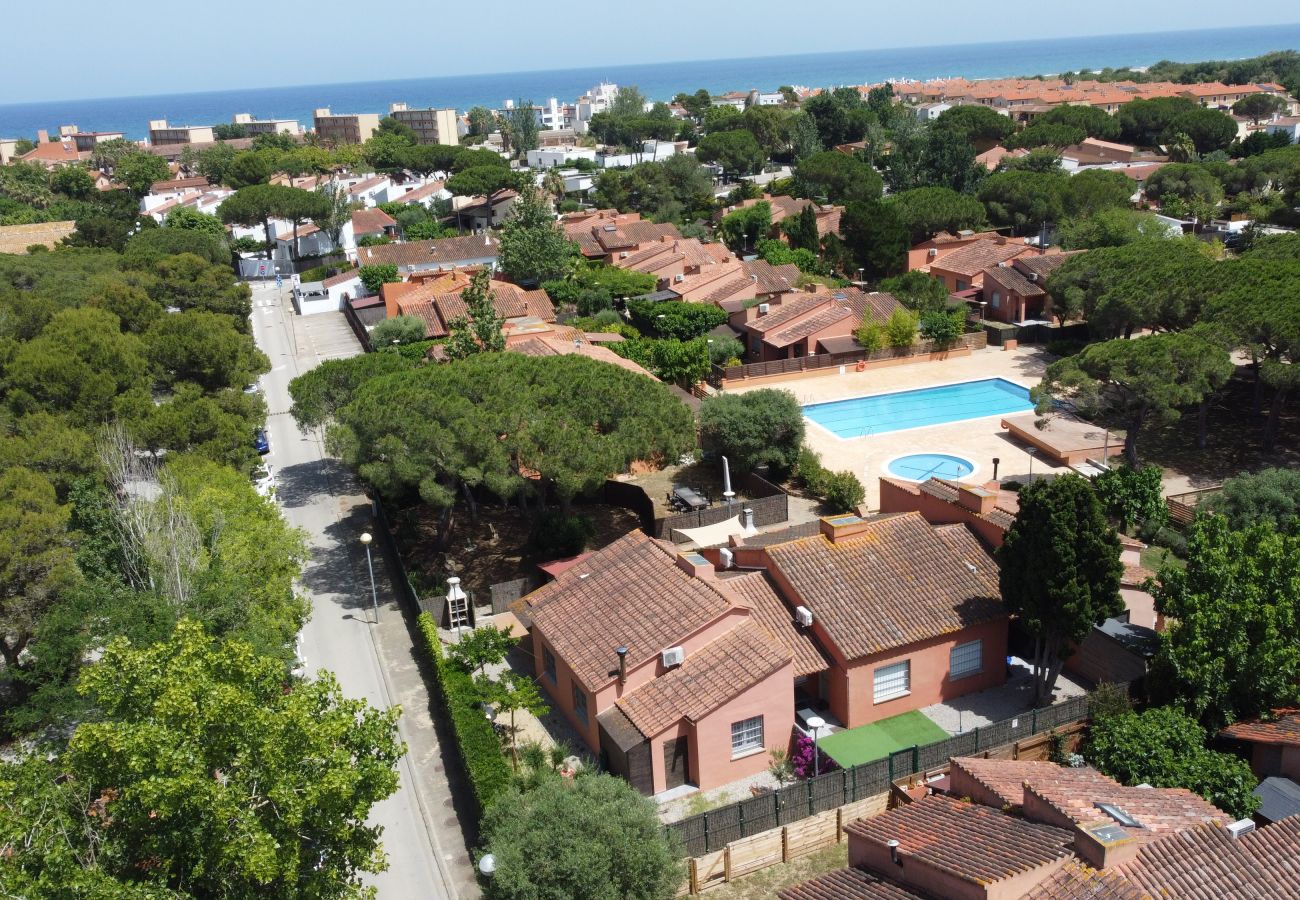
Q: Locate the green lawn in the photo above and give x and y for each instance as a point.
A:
(879, 739)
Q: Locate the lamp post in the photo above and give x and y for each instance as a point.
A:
(816, 724)
(487, 865)
(1031, 451)
(374, 596)
(995, 468)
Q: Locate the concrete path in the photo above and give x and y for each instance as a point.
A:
(367, 645)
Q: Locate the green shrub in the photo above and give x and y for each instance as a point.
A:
(900, 330)
(871, 336)
(320, 273)
(722, 350)
(557, 535)
(476, 739)
(1064, 347)
(843, 492)
(809, 472)
(1171, 540)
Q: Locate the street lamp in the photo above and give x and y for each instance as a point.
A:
(1031, 451)
(487, 864)
(816, 724)
(374, 596)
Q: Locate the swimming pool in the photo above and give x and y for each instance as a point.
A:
(880, 413)
(924, 466)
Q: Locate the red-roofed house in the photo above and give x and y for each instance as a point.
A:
(964, 268)
(801, 324)
(1275, 744)
(923, 255)
(1017, 290)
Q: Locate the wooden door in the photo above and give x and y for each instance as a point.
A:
(676, 763)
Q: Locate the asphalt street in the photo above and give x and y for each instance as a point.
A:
(363, 642)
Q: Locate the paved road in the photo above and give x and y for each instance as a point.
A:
(367, 647)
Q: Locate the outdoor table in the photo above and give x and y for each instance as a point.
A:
(690, 497)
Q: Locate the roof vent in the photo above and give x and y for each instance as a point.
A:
(1119, 815)
(611, 228)
(1238, 828)
(973, 568)
(803, 615)
(673, 656)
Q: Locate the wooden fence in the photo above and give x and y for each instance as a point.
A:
(971, 341)
(714, 830)
(1182, 507)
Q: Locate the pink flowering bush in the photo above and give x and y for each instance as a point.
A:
(802, 758)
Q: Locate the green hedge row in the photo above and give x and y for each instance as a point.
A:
(480, 750)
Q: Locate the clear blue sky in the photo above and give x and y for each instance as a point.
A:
(78, 48)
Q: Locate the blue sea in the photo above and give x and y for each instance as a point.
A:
(658, 81)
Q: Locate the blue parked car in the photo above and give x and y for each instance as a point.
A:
(261, 443)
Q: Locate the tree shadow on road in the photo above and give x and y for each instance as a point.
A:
(301, 483)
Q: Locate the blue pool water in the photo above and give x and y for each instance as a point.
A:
(923, 466)
(880, 413)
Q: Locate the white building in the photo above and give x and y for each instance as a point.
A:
(651, 151)
(550, 157)
(1288, 125)
(928, 112)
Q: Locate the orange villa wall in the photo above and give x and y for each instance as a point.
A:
(929, 675)
(711, 764)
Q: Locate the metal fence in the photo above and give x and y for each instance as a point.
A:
(715, 829)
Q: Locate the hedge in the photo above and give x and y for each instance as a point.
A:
(480, 750)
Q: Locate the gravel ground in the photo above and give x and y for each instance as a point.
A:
(696, 801)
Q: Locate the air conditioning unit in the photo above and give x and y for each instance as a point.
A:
(934, 251)
(803, 615)
(1033, 276)
(673, 656)
(764, 309)
(1240, 827)
(622, 254)
(678, 279)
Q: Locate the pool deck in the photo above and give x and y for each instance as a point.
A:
(979, 440)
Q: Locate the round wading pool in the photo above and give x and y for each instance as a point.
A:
(924, 466)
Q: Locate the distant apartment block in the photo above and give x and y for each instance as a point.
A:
(86, 141)
(161, 133)
(344, 128)
(431, 126)
(266, 126)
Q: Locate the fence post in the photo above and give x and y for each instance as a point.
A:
(855, 785)
(916, 758)
(776, 805)
(891, 766)
(977, 739)
(707, 848)
(809, 784)
(1033, 720)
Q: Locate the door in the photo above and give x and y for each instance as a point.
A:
(676, 763)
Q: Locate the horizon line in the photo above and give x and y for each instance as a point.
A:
(190, 93)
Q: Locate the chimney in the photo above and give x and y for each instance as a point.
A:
(694, 565)
(42, 136)
(838, 528)
(893, 852)
(622, 665)
(976, 499)
(1001, 240)
(747, 520)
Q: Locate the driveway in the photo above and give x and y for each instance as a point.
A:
(367, 646)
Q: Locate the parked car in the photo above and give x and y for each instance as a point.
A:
(261, 443)
(253, 388)
(264, 480)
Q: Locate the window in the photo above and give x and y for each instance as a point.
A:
(997, 299)
(580, 703)
(746, 736)
(892, 681)
(966, 659)
(548, 660)
(961, 285)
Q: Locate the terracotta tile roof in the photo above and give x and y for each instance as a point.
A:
(1012, 280)
(1045, 264)
(754, 591)
(423, 308)
(371, 221)
(178, 184)
(366, 184)
(727, 289)
(629, 594)
(847, 884)
(52, 152)
(599, 237)
(770, 279)
(708, 678)
(1003, 514)
(302, 231)
(898, 581)
(1205, 863)
(509, 300)
(1006, 778)
(1077, 881)
(440, 251)
(1285, 729)
(789, 308)
(342, 278)
(805, 327)
(975, 258)
(876, 305)
(544, 345)
(1160, 810)
(967, 841)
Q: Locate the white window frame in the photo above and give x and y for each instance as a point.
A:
(746, 737)
(966, 659)
(893, 686)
